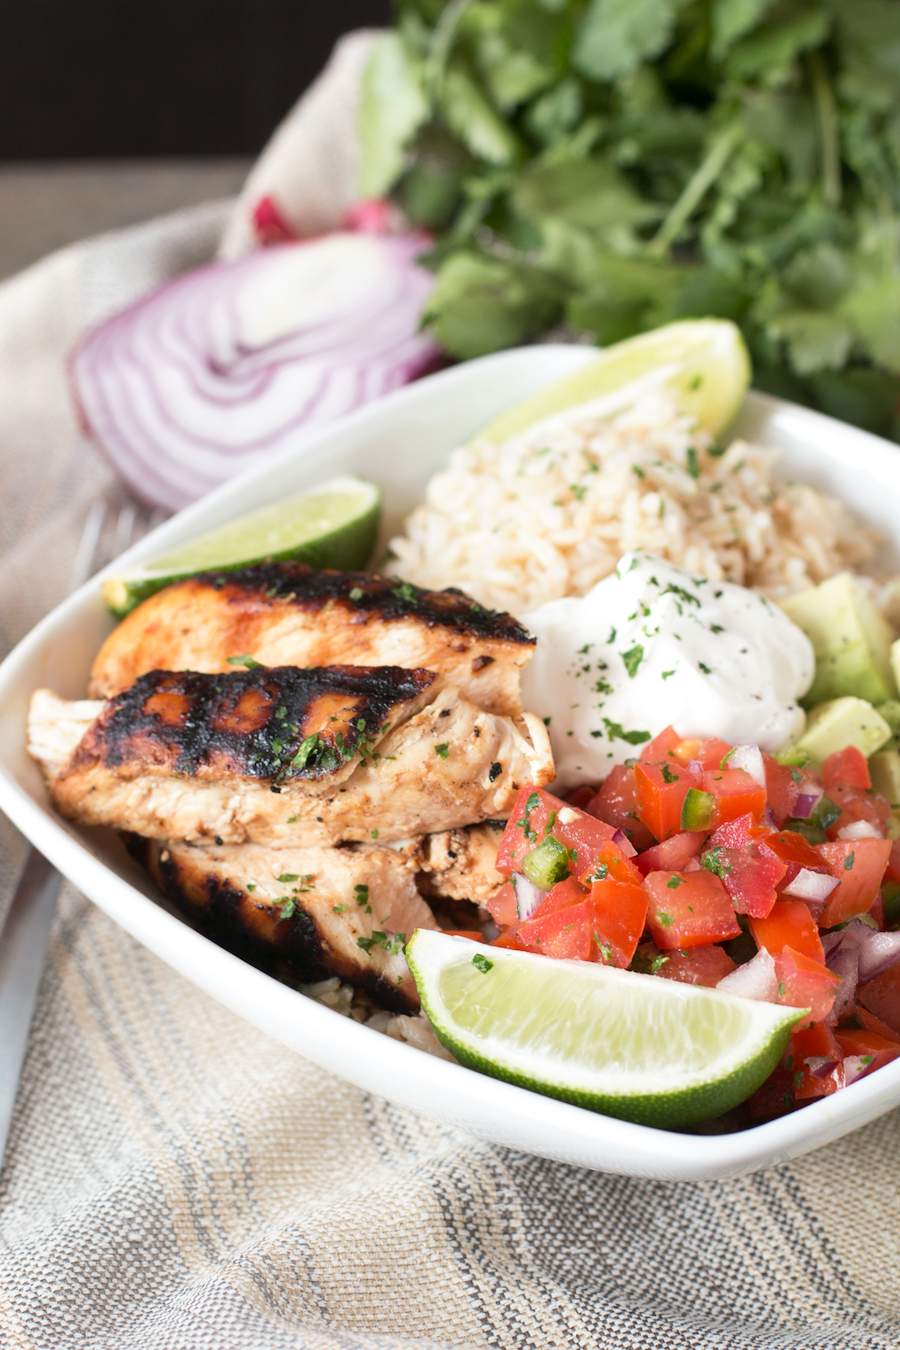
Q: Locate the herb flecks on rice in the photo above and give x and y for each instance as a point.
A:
(549, 513)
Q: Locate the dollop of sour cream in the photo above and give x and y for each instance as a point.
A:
(652, 646)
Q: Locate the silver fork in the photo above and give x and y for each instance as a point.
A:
(113, 523)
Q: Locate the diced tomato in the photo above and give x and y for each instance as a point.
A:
(698, 965)
(816, 1057)
(794, 851)
(846, 768)
(893, 867)
(563, 894)
(659, 794)
(615, 804)
(567, 933)
(789, 924)
(872, 1023)
(610, 861)
(858, 805)
(502, 905)
(707, 753)
(509, 939)
(737, 833)
(881, 996)
(877, 1050)
(672, 854)
(781, 790)
(619, 912)
(805, 983)
(859, 866)
(535, 814)
(750, 876)
(689, 909)
(580, 796)
(471, 933)
(736, 794)
(775, 1097)
(661, 747)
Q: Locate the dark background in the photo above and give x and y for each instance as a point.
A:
(119, 78)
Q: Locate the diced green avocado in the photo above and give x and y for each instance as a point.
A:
(842, 722)
(890, 711)
(885, 770)
(851, 639)
(895, 661)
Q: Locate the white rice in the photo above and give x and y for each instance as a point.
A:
(549, 513)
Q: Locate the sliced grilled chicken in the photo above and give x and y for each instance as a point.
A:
(284, 756)
(459, 864)
(314, 911)
(288, 614)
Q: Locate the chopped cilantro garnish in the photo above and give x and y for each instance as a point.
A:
(665, 919)
(668, 775)
(442, 750)
(405, 591)
(674, 882)
(339, 909)
(248, 662)
(356, 593)
(286, 909)
(707, 670)
(481, 962)
(616, 732)
(849, 861)
(285, 877)
(632, 659)
(715, 863)
(693, 462)
(667, 674)
(657, 963)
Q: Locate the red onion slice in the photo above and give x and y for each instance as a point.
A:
(184, 388)
(812, 886)
(528, 896)
(856, 1066)
(623, 844)
(756, 979)
(749, 758)
(877, 953)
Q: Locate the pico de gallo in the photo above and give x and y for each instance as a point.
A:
(719, 865)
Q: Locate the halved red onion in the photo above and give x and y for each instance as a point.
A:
(755, 979)
(624, 844)
(807, 801)
(528, 896)
(749, 758)
(238, 359)
(859, 829)
(812, 886)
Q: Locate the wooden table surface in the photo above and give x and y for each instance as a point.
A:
(44, 206)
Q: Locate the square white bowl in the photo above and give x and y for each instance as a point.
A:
(399, 442)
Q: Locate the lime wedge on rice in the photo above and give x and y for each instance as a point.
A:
(635, 1046)
(704, 362)
(334, 525)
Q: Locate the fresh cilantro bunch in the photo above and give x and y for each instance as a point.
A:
(611, 165)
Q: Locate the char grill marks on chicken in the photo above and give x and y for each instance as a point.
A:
(282, 756)
(290, 614)
(311, 911)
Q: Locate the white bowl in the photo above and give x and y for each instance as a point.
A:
(399, 442)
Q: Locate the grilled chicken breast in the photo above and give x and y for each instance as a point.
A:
(290, 614)
(313, 911)
(460, 864)
(285, 757)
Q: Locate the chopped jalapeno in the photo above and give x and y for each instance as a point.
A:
(547, 864)
(698, 810)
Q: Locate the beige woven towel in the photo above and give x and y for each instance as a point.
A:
(175, 1181)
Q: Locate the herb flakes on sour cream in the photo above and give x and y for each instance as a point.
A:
(651, 646)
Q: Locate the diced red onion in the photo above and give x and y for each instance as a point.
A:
(813, 886)
(749, 758)
(695, 768)
(184, 388)
(859, 829)
(623, 843)
(820, 1066)
(856, 1066)
(877, 953)
(756, 979)
(528, 896)
(806, 802)
(769, 819)
(845, 964)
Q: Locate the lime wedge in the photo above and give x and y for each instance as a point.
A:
(334, 525)
(704, 361)
(635, 1046)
